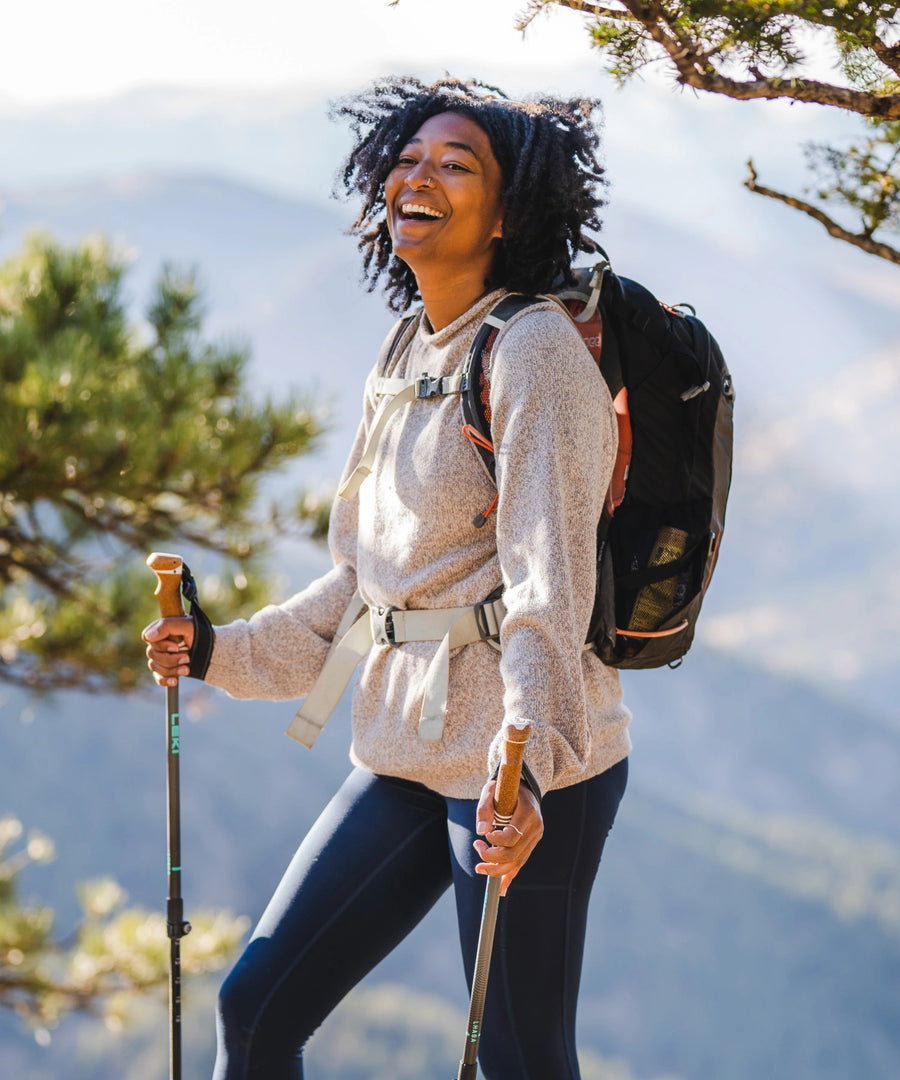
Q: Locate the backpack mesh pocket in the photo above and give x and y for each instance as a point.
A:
(657, 562)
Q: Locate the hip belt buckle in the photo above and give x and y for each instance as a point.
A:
(382, 620)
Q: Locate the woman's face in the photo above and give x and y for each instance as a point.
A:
(443, 197)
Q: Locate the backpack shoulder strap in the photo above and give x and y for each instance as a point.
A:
(476, 401)
(404, 331)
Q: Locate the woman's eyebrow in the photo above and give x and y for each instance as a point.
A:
(449, 146)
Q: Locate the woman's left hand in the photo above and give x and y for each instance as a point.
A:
(505, 851)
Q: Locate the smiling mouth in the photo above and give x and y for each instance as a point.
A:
(418, 212)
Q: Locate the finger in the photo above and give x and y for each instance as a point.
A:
(527, 816)
(507, 844)
(168, 663)
(505, 871)
(167, 677)
(507, 837)
(505, 862)
(484, 814)
(155, 631)
(173, 647)
(507, 881)
(167, 651)
(177, 628)
(502, 859)
(491, 855)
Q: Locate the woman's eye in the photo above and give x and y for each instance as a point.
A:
(455, 166)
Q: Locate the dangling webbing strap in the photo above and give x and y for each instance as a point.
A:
(351, 642)
(396, 393)
(362, 626)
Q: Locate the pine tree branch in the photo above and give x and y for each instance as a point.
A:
(889, 55)
(585, 7)
(41, 558)
(695, 68)
(860, 240)
(22, 994)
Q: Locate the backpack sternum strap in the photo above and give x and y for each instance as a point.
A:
(396, 393)
(428, 386)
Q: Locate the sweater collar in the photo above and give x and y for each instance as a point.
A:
(477, 311)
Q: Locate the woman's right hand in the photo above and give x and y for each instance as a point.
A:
(169, 644)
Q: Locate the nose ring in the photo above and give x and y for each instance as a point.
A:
(427, 182)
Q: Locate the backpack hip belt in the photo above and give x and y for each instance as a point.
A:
(362, 626)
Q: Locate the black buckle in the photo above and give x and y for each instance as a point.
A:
(383, 625)
(428, 386)
(482, 621)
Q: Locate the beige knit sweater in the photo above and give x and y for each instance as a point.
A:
(408, 540)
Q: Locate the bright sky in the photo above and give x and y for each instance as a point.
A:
(56, 50)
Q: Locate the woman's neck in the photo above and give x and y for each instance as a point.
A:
(445, 298)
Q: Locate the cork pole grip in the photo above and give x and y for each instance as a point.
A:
(168, 582)
(506, 794)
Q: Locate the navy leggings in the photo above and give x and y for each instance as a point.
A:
(379, 857)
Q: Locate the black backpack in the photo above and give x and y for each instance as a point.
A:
(658, 538)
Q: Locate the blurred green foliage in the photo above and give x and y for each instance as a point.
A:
(115, 439)
(113, 953)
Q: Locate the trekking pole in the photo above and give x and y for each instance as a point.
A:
(168, 570)
(506, 794)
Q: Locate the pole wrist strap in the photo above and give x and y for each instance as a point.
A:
(204, 636)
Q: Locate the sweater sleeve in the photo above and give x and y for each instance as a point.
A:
(554, 434)
(278, 653)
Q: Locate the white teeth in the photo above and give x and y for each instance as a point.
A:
(416, 208)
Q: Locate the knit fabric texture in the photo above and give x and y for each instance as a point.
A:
(409, 540)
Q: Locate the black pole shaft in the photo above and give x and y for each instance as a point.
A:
(468, 1068)
(506, 794)
(175, 924)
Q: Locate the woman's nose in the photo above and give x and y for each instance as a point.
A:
(419, 177)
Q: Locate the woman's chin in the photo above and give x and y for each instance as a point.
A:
(416, 255)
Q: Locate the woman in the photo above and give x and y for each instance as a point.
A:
(465, 196)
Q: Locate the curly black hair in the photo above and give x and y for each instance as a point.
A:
(547, 152)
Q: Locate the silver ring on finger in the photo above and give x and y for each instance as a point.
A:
(511, 826)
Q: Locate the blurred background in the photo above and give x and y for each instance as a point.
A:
(746, 920)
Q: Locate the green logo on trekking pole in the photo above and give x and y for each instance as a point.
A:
(174, 736)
